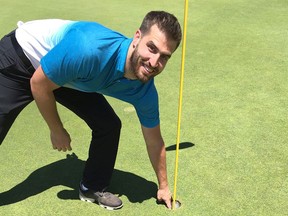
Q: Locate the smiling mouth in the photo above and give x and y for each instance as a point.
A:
(148, 69)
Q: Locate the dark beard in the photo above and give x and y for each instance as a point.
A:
(135, 60)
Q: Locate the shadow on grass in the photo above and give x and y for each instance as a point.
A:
(182, 145)
(68, 172)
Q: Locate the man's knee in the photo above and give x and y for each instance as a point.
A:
(114, 123)
(107, 124)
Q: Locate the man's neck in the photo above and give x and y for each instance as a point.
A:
(128, 73)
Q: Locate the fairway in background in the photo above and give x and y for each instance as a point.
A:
(234, 117)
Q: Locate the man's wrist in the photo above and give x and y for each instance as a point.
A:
(163, 186)
(56, 128)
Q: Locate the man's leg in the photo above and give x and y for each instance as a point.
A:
(13, 98)
(105, 125)
(15, 91)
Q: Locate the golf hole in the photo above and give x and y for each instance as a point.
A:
(177, 204)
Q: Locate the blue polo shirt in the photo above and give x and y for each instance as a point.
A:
(91, 58)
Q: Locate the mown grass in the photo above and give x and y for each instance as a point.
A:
(234, 114)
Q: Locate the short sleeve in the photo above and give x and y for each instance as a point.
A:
(69, 60)
(148, 108)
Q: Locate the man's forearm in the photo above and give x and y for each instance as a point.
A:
(42, 90)
(47, 107)
(157, 154)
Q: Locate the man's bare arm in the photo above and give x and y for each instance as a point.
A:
(157, 154)
(42, 89)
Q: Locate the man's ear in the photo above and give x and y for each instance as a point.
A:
(137, 37)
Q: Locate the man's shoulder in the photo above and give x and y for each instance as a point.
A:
(95, 29)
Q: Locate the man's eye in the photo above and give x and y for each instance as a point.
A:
(165, 58)
(152, 49)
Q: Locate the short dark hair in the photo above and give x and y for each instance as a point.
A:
(166, 22)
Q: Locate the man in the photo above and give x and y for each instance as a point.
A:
(76, 64)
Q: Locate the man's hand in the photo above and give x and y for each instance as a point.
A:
(164, 196)
(61, 140)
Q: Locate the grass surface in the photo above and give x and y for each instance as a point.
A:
(234, 112)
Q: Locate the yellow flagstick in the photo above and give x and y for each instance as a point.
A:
(180, 102)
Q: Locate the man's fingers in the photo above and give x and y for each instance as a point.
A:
(169, 203)
(64, 149)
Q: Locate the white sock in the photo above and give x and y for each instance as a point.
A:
(83, 187)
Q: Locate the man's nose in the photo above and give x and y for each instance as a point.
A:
(154, 60)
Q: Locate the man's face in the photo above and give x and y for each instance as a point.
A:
(151, 54)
